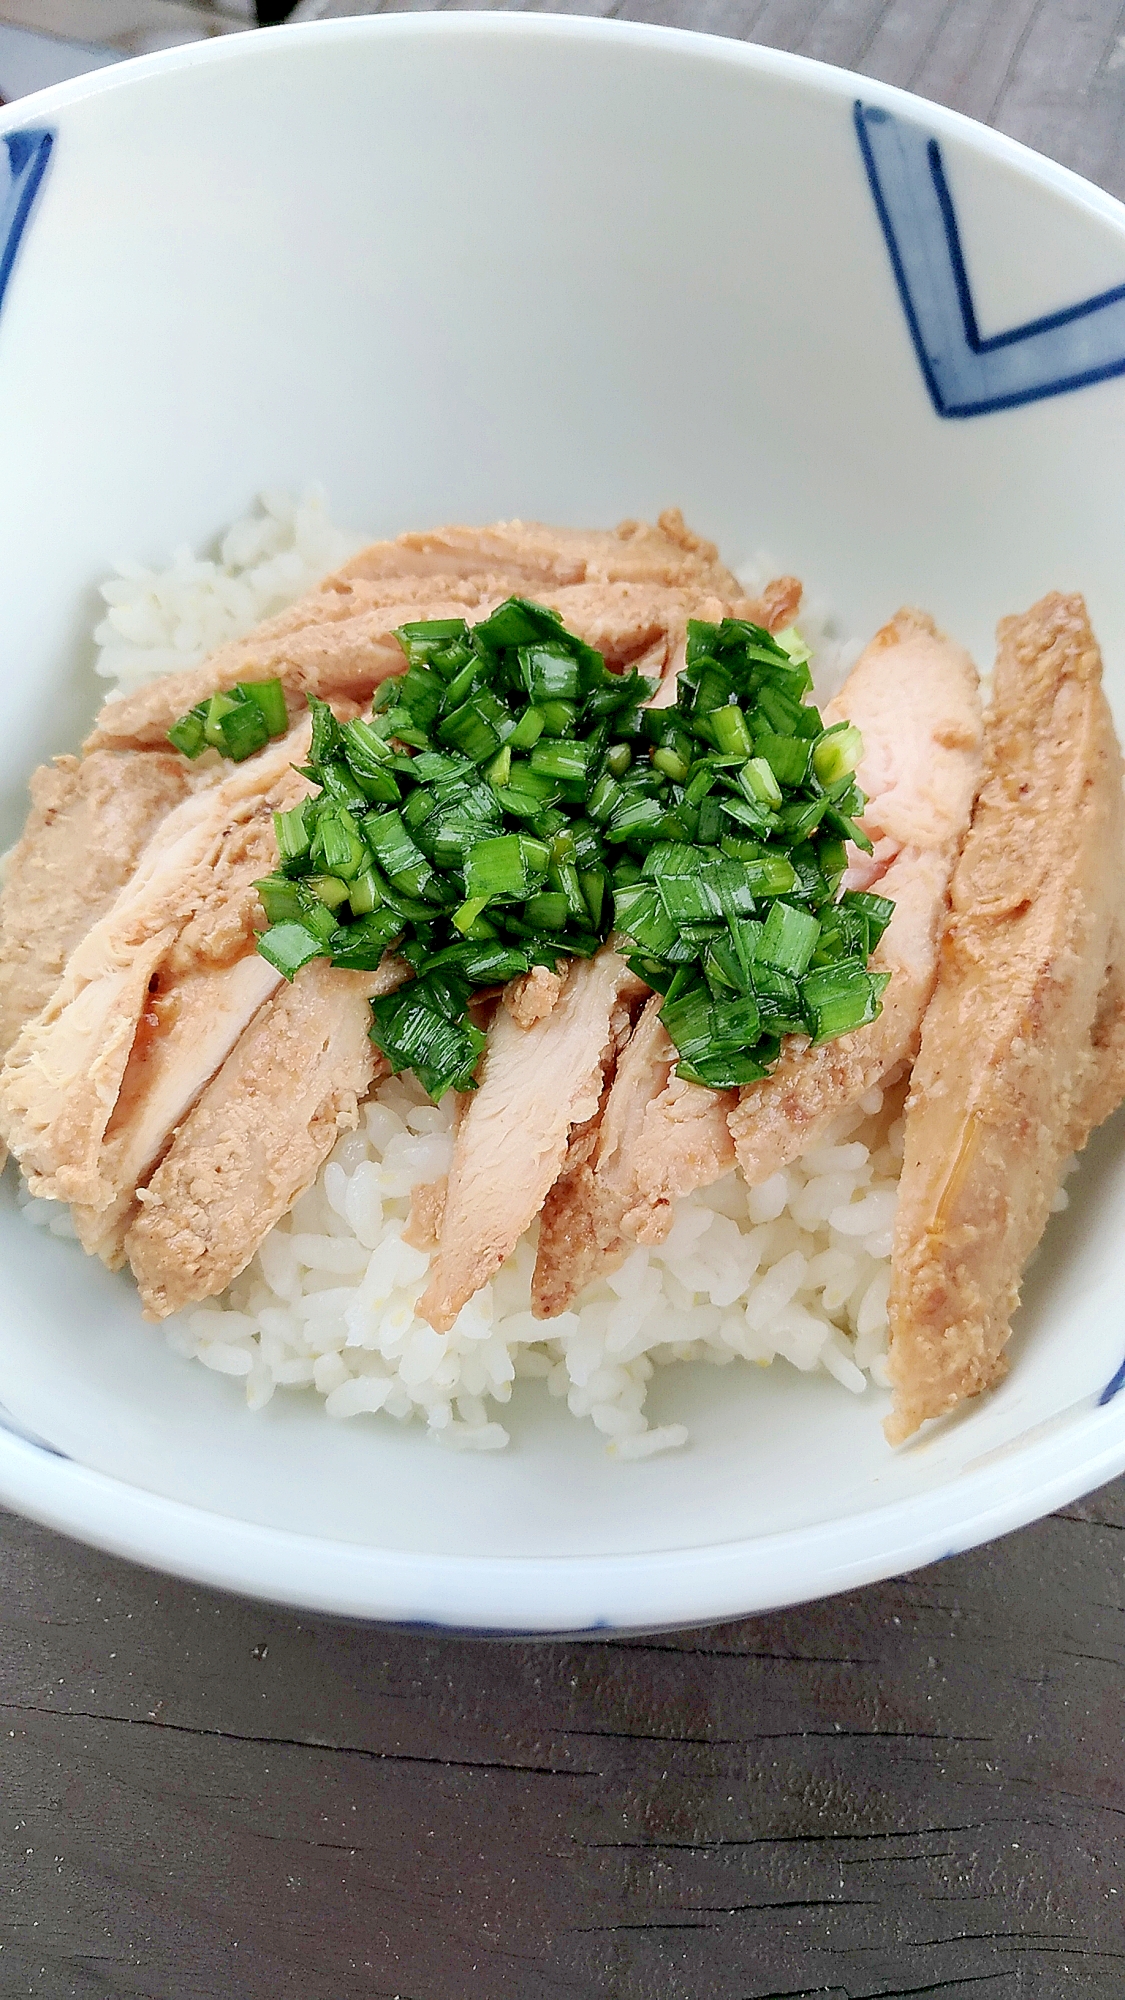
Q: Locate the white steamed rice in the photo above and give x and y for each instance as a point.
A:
(796, 1270)
(164, 621)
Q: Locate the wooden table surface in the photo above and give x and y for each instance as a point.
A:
(915, 1789)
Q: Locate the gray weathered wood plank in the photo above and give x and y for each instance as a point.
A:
(916, 1786)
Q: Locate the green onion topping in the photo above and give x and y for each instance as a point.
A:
(513, 803)
(236, 723)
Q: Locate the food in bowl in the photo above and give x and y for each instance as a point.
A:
(1023, 1043)
(594, 862)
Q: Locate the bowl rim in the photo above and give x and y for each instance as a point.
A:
(255, 44)
(543, 1596)
(1048, 1466)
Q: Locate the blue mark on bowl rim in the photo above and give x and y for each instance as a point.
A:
(27, 156)
(967, 374)
(447, 1629)
(1112, 1388)
(16, 1429)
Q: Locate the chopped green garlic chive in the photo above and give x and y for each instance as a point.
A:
(290, 946)
(464, 918)
(511, 802)
(236, 723)
(837, 753)
(269, 697)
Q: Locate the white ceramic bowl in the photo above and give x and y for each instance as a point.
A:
(462, 267)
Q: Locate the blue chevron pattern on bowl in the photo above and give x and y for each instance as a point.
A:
(966, 374)
(23, 163)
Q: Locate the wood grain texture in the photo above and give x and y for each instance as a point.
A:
(918, 1789)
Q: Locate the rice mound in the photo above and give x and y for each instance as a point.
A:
(165, 621)
(797, 1269)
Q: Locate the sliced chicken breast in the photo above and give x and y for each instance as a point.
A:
(141, 1015)
(627, 591)
(331, 644)
(258, 1136)
(632, 624)
(89, 821)
(191, 904)
(536, 557)
(775, 1121)
(914, 697)
(1107, 1087)
(656, 1138)
(188, 1028)
(536, 1085)
(1021, 1047)
(775, 607)
(531, 996)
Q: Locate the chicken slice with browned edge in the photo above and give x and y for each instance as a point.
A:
(1107, 1037)
(536, 1084)
(258, 1136)
(1021, 1045)
(914, 696)
(89, 821)
(190, 905)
